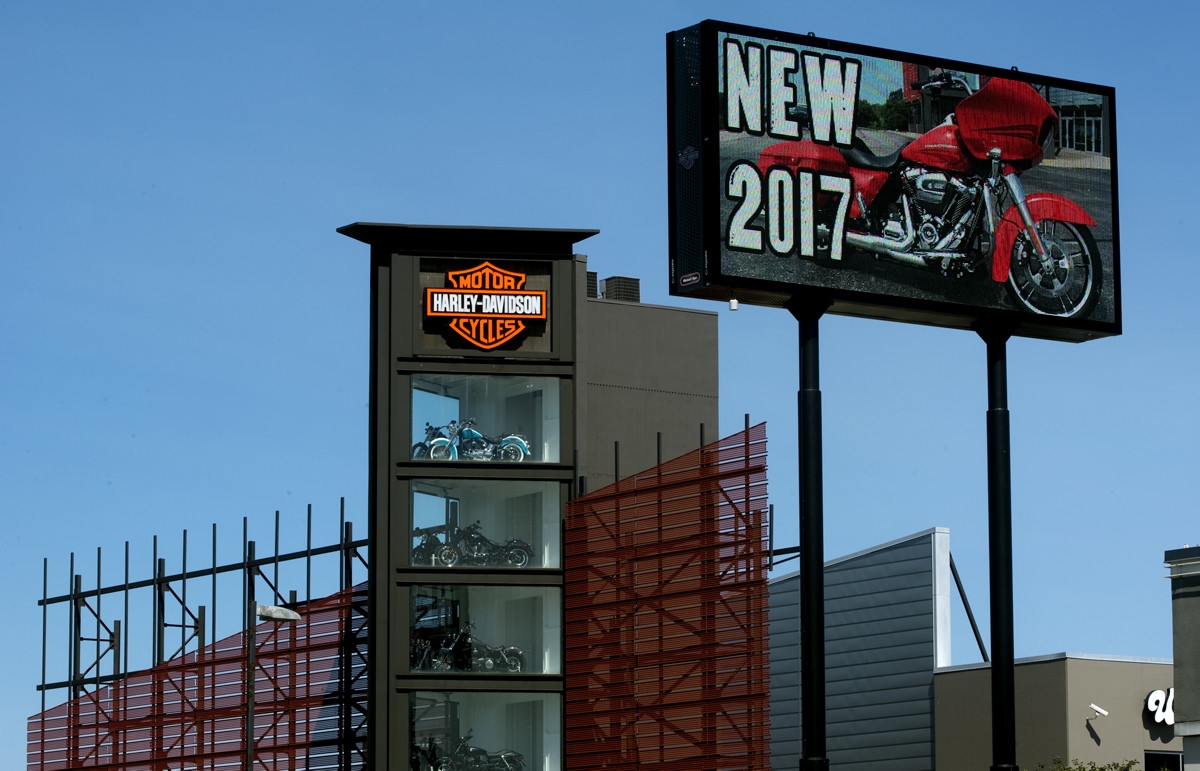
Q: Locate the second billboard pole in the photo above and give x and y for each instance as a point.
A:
(812, 541)
(1004, 728)
(812, 545)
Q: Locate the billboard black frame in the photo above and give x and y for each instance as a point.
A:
(695, 195)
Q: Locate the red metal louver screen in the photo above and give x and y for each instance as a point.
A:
(190, 713)
(666, 615)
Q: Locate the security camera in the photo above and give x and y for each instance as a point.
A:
(1099, 710)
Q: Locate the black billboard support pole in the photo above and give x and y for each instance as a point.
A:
(812, 541)
(1004, 723)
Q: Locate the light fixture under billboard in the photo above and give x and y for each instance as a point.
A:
(890, 185)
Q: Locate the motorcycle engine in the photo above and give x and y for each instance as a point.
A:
(929, 190)
(473, 448)
(938, 202)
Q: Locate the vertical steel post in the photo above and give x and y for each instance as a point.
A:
(119, 697)
(156, 598)
(125, 639)
(73, 706)
(45, 627)
(204, 698)
(1004, 724)
(200, 634)
(345, 651)
(213, 595)
(812, 545)
(275, 574)
(770, 536)
(183, 605)
(76, 636)
(308, 553)
(99, 614)
(251, 621)
(160, 611)
(72, 628)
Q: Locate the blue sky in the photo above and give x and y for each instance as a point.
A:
(183, 335)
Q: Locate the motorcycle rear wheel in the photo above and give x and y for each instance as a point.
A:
(1071, 286)
(511, 453)
(517, 557)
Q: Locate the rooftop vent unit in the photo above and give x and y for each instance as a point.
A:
(621, 288)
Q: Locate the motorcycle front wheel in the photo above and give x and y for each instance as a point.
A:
(440, 451)
(511, 453)
(420, 451)
(514, 661)
(446, 555)
(1069, 283)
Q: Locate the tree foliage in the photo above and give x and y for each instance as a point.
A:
(1058, 764)
(892, 115)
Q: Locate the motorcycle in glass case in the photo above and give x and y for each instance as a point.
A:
(463, 756)
(468, 546)
(464, 441)
(464, 652)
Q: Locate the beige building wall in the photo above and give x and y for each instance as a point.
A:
(669, 386)
(1054, 719)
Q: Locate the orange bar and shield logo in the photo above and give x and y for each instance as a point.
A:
(487, 306)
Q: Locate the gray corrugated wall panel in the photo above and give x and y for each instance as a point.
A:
(877, 711)
(784, 616)
(879, 648)
(875, 662)
(884, 629)
(868, 687)
(907, 563)
(884, 585)
(880, 744)
(880, 656)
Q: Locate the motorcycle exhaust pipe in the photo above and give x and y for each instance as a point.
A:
(896, 250)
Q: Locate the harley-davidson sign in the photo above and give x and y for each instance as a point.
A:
(487, 306)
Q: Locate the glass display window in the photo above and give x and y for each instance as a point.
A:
(501, 731)
(485, 630)
(486, 418)
(486, 523)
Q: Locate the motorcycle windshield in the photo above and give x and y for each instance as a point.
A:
(1005, 114)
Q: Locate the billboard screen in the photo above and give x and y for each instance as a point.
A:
(890, 185)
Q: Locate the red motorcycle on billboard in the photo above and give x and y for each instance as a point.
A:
(951, 200)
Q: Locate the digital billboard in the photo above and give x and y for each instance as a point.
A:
(890, 185)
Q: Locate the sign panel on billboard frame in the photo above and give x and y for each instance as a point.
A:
(890, 185)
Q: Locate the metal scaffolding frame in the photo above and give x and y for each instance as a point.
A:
(277, 697)
(666, 615)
